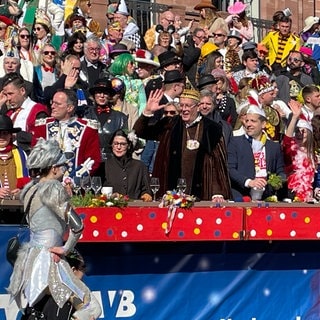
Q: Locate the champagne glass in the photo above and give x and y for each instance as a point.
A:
(96, 184)
(76, 185)
(86, 183)
(182, 185)
(154, 185)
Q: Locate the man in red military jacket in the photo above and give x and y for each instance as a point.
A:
(77, 137)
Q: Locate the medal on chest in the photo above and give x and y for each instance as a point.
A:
(193, 144)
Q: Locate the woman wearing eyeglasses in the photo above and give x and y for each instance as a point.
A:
(127, 176)
(24, 45)
(42, 33)
(46, 73)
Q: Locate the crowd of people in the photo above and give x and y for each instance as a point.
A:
(204, 102)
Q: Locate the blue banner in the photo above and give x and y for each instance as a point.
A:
(245, 280)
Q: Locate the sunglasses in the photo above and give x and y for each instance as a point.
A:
(294, 60)
(24, 36)
(3, 28)
(171, 112)
(46, 53)
(218, 35)
(38, 29)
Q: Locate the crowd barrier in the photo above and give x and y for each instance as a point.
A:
(248, 261)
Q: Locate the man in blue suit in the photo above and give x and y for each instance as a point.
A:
(252, 157)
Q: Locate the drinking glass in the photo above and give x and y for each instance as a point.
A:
(154, 185)
(76, 185)
(86, 183)
(181, 185)
(96, 184)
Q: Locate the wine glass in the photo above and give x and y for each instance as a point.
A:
(181, 185)
(96, 184)
(76, 185)
(154, 185)
(86, 183)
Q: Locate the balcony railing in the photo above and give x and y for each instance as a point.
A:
(147, 14)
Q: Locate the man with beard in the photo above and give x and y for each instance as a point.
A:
(109, 120)
(291, 80)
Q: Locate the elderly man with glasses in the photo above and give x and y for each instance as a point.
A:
(190, 146)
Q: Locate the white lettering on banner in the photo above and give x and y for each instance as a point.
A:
(126, 307)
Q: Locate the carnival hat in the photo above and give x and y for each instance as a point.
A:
(7, 125)
(190, 92)
(249, 46)
(122, 8)
(43, 19)
(6, 20)
(45, 154)
(218, 73)
(309, 22)
(262, 48)
(80, 17)
(306, 50)
(103, 85)
(206, 80)
(118, 49)
(262, 84)
(235, 34)
(168, 57)
(145, 56)
(173, 76)
(256, 110)
(237, 7)
(207, 48)
(205, 4)
(302, 123)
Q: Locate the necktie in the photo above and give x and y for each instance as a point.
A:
(250, 139)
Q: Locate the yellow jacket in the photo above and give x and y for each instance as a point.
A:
(271, 42)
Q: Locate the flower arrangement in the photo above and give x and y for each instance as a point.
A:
(92, 201)
(175, 199)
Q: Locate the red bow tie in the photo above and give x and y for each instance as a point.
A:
(101, 110)
(48, 69)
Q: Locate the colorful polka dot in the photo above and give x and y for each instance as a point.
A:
(307, 220)
(196, 231)
(93, 219)
(139, 227)
(249, 212)
(164, 225)
(152, 215)
(228, 213)
(181, 234)
(293, 233)
(124, 234)
(118, 215)
(253, 233)
(282, 216)
(217, 233)
(235, 235)
(95, 233)
(218, 221)
(199, 221)
(180, 215)
(269, 232)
